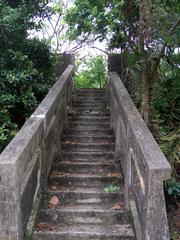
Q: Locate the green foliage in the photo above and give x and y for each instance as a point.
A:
(167, 95)
(101, 18)
(175, 236)
(174, 188)
(25, 65)
(7, 129)
(111, 188)
(165, 117)
(93, 73)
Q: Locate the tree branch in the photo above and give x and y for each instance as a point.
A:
(79, 45)
(170, 32)
(99, 49)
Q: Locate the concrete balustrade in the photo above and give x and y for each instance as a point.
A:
(26, 161)
(144, 166)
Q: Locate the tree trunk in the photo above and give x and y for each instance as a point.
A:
(146, 95)
(149, 76)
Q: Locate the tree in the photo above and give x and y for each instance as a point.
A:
(25, 64)
(92, 73)
(54, 29)
(133, 27)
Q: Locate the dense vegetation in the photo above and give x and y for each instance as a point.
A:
(147, 33)
(92, 72)
(25, 64)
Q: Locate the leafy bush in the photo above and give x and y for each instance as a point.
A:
(26, 65)
(165, 117)
(7, 129)
(93, 73)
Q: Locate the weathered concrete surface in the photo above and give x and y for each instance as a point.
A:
(63, 61)
(16, 165)
(145, 167)
(26, 161)
(119, 63)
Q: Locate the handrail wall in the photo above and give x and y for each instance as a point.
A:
(144, 165)
(26, 161)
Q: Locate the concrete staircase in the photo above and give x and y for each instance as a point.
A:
(86, 186)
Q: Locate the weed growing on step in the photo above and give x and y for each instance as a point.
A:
(111, 188)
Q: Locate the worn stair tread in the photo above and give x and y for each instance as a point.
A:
(90, 153)
(83, 125)
(89, 103)
(111, 165)
(90, 94)
(86, 124)
(77, 207)
(84, 190)
(86, 132)
(83, 214)
(89, 119)
(87, 176)
(90, 127)
(87, 145)
(82, 162)
(86, 164)
(84, 89)
(89, 109)
(90, 167)
(95, 162)
(84, 196)
(90, 133)
(99, 156)
(86, 180)
(84, 117)
(87, 139)
(90, 114)
(89, 230)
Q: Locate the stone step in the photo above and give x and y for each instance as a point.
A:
(91, 94)
(69, 138)
(91, 97)
(87, 132)
(89, 119)
(89, 126)
(90, 91)
(84, 195)
(85, 232)
(85, 167)
(89, 214)
(90, 113)
(89, 108)
(85, 180)
(84, 90)
(88, 156)
(88, 100)
(88, 103)
(87, 147)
